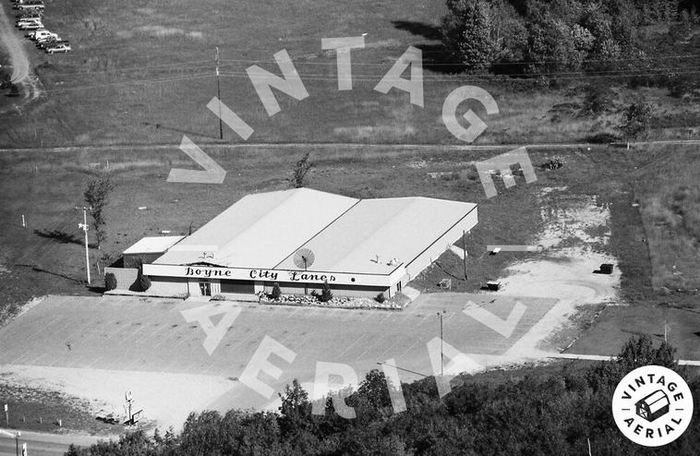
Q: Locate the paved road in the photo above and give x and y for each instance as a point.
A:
(367, 149)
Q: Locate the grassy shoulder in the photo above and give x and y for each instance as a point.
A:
(32, 409)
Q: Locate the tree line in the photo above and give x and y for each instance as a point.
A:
(549, 37)
(540, 411)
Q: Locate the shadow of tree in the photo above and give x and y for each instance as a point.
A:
(58, 236)
(436, 57)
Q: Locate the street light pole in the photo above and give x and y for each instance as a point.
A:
(218, 95)
(84, 226)
(442, 353)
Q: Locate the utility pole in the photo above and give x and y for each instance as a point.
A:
(218, 95)
(85, 227)
(464, 256)
(442, 353)
(16, 435)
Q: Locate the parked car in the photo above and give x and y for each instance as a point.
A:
(41, 37)
(36, 6)
(27, 19)
(24, 23)
(60, 47)
(32, 26)
(28, 14)
(50, 42)
(39, 34)
(31, 34)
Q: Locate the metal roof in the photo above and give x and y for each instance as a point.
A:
(346, 234)
(155, 244)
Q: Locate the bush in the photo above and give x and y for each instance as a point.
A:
(144, 282)
(598, 100)
(110, 281)
(326, 293)
(380, 298)
(276, 292)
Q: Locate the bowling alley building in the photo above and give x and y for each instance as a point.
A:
(302, 238)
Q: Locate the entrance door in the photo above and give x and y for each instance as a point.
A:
(205, 288)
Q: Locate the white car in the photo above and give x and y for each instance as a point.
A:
(41, 37)
(27, 20)
(32, 26)
(34, 7)
(60, 47)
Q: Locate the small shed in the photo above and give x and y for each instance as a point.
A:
(653, 406)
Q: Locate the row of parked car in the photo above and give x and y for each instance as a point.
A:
(29, 18)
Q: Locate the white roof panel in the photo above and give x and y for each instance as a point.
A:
(155, 244)
(261, 229)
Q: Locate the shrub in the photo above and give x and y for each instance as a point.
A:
(380, 298)
(598, 100)
(110, 281)
(144, 282)
(326, 293)
(276, 292)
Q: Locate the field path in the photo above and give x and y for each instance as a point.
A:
(18, 57)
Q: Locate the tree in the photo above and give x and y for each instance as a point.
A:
(276, 291)
(96, 196)
(110, 281)
(326, 293)
(301, 169)
(467, 32)
(295, 409)
(636, 119)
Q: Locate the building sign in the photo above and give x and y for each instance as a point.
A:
(274, 275)
(265, 274)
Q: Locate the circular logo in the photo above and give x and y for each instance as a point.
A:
(652, 406)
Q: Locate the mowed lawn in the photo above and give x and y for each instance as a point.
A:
(145, 73)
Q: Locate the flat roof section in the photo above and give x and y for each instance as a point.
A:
(154, 244)
(390, 228)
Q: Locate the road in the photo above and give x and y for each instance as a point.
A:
(39, 444)
(365, 148)
(21, 73)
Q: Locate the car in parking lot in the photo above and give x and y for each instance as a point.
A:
(40, 34)
(44, 36)
(24, 20)
(32, 26)
(58, 47)
(50, 42)
(31, 7)
(31, 34)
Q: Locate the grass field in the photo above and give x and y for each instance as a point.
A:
(35, 409)
(137, 67)
(47, 255)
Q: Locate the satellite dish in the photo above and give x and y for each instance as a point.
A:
(128, 396)
(304, 258)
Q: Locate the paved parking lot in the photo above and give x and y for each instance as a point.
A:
(152, 336)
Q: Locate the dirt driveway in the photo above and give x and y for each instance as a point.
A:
(10, 39)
